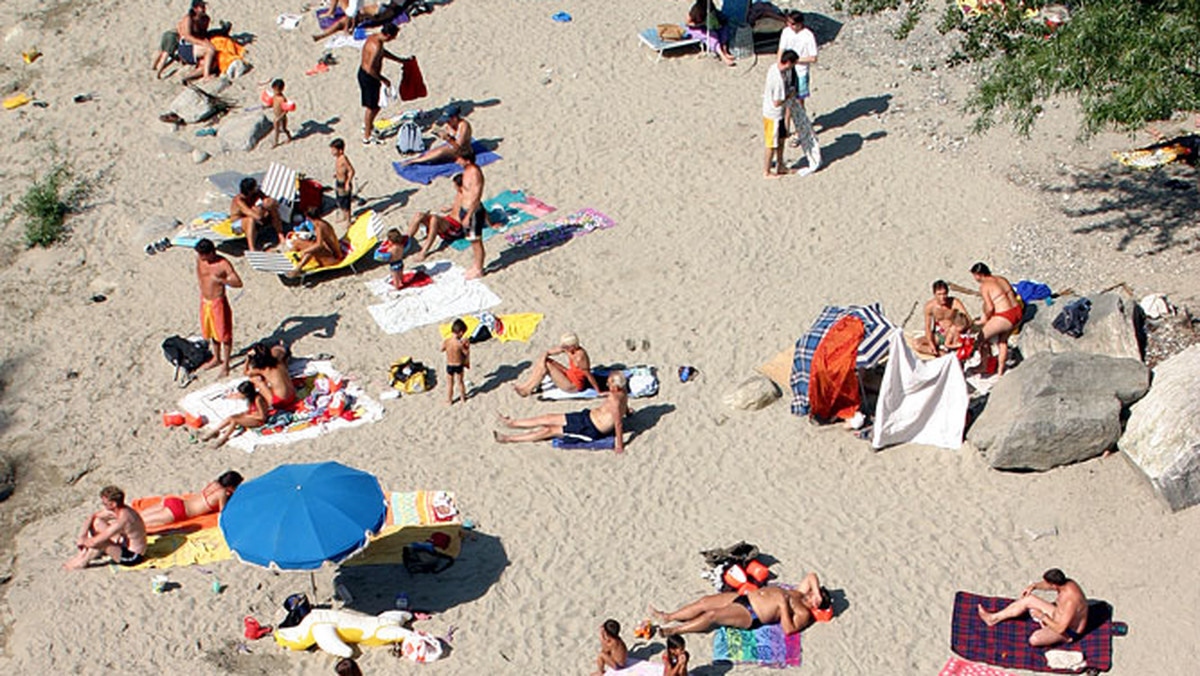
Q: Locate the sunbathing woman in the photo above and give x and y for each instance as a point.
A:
(267, 368)
(325, 248)
(1001, 313)
(576, 376)
(255, 416)
(211, 499)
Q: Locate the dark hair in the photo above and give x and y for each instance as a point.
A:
(389, 29)
(197, 4)
(277, 83)
(113, 493)
(698, 14)
(612, 628)
(337, 143)
(1055, 577)
(467, 153)
(260, 357)
(796, 16)
(205, 246)
(457, 180)
(826, 599)
(247, 390)
(347, 667)
(981, 269)
(248, 186)
(675, 641)
(940, 285)
(230, 479)
(459, 326)
(788, 56)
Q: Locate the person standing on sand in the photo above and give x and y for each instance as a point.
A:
(800, 40)
(214, 272)
(1001, 313)
(793, 609)
(116, 530)
(371, 79)
(774, 95)
(343, 177)
(1063, 621)
(471, 213)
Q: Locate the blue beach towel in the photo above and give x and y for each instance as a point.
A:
(425, 173)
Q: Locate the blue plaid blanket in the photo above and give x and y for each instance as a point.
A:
(871, 350)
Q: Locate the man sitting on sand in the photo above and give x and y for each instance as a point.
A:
(116, 530)
(939, 319)
(194, 43)
(254, 210)
(325, 248)
(1063, 621)
(455, 134)
(601, 422)
(793, 609)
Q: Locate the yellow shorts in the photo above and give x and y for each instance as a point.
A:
(771, 129)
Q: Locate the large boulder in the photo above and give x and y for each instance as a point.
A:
(1055, 409)
(1163, 434)
(754, 393)
(193, 105)
(243, 132)
(1113, 328)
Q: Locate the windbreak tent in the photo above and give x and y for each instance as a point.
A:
(872, 347)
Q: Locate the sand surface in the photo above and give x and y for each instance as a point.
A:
(709, 265)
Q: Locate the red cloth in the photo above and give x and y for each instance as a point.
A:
(412, 85)
(833, 385)
(310, 195)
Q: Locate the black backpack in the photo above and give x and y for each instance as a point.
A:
(185, 355)
(297, 607)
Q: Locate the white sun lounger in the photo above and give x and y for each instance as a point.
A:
(649, 37)
(281, 184)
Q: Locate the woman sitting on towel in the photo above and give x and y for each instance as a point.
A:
(576, 376)
(1001, 313)
(210, 499)
(256, 415)
(267, 368)
(710, 28)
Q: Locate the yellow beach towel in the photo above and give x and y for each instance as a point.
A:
(516, 326)
(184, 549)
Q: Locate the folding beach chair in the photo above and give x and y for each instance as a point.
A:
(649, 37)
(362, 236)
(282, 185)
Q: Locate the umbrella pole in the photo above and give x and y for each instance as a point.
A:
(312, 577)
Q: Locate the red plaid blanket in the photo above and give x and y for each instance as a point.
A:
(1007, 643)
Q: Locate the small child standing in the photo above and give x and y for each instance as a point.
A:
(392, 253)
(282, 107)
(613, 653)
(458, 357)
(343, 177)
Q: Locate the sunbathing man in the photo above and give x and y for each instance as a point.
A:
(455, 135)
(1001, 313)
(210, 499)
(214, 272)
(268, 370)
(325, 248)
(576, 376)
(939, 315)
(1063, 621)
(116, 530)
(194, 43)
(601, 422)
(352, 9)
(253, 209)
(793, 609)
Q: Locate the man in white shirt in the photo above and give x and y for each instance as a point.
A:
(801, 40)
(774, 96)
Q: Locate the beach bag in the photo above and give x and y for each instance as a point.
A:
(421, 647)
(421, 557)
(1073, 317)
(670, 31)
(186, 356)
(408, 138)
(409, 376)
(297, 607)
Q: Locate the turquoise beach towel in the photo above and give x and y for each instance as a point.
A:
(766, 645)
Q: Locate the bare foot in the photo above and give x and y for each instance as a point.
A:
(770, 175)
(781, 171)
(657, 614)
(504, 420)
(988, 618)
(420, 256)
(500, 438)
(473, 273)
(521, 391)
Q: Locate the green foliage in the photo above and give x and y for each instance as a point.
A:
(1128, 62)
(48, 201)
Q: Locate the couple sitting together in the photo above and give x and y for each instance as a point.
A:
(948, 323)
(268, 387)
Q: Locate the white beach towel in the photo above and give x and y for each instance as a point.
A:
(637, 668)
(450, 295)
(344, 40)
(641, 381)
(920, 402)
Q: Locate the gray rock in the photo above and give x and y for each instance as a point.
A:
(1112, 329)
(243, 132)
(754, 393)
(214, 86)
(193, 105)
(1055, 409)
(170, 145)
(1162, 437)
(8, 478)
(199, 156)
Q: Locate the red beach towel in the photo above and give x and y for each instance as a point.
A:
(412, 85)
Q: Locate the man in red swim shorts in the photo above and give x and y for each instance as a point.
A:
(214, 272)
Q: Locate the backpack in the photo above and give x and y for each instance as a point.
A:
(421, 557)
(186, 355)
(409, 376)
(1073, 317)
(408, 138)
(297, 607)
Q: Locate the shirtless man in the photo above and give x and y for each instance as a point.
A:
(194, 45)
(605, 420)
(116, 530)
(325, 248)
(254, 210)
(371, 79)
(1001, 313)
(939, 316)
(214, 272)
(455, 134)
(793, 609)
(471, 213)
(1063, 621)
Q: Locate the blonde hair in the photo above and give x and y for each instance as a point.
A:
(569, 339)
(617, 379)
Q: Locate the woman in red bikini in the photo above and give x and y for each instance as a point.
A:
(210, 499)
(267, 368)
(1001, 313)
(576, 376)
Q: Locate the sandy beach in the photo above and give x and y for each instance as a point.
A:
(708, 265)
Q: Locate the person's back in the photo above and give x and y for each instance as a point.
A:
(1072, 602)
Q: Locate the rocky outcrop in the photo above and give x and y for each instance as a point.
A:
(1162, 437)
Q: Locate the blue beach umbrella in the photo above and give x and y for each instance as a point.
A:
(297, 517)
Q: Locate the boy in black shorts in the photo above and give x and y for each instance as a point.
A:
(458, 357)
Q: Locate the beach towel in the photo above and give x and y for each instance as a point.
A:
(957, 667)
(425, 173)
(518, 327)
(171, 550)
(414, 516)
(871, 350)
(450, 295)
(228, 51)
(507, 210)
(642, 382)
(833, 381)
(1007, 643)
(582, 222)
(767, 646)
(920, 402)
(637, 668)
(327, 401)
(191, 524)
(569, 444)
(344, 40)
(412, 85)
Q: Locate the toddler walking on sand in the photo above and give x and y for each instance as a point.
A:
(458, 357)
(392, 253)
(282, 107)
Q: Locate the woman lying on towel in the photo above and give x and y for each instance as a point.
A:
(210, 499)
(267, 368)
(601, 422)
(256, 415)
(576, 376)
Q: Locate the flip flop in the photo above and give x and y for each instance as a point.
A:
(321, 67)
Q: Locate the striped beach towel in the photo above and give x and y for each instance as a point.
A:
(871, 351)
(767, 645)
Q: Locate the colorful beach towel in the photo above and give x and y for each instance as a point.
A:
(171, 550)
(509, 209)
(327, 402)
(195, 523)
(518, 326)
(578, 224)
(957, 667)
(1007, 643)
(450, 295)
(414, 516)
(767, 645)
(425, 173)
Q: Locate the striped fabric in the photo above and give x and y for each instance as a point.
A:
(281, 184)
(871, 351)
(876, 327)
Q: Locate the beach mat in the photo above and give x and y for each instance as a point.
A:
(425, 173)
(957, 667)
(779, 369)
(507, 210)
(767, 646)
(1007, 643)
(325, 19)
(568, 444)
(186, 525)
(518, 326)
(450, 295)
(413, 516)
(578, 224)
(172, 550)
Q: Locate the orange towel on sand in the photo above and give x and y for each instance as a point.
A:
(228, 51)
(833, 385)
(195, 523)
